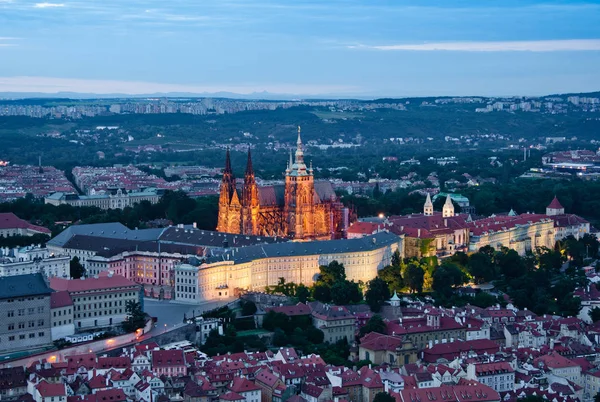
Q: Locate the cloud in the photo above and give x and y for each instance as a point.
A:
(48, 5)
(53, 85)
(501, 46)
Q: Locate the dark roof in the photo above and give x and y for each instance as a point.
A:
(198, 237)
(365, 243)
(13, 377)
(23, 285)
(112, 230)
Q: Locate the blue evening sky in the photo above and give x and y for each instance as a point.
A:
(345, 48)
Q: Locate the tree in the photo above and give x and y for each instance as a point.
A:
(332, 273)
(414, 277)
(510, 263)
(280, 338)
(481, 268)
(248, 307)
(375, 324)
(76, 270)
(345, 292)
(446, 277)
(322, 293)
(136, 318)
(595, 314)
(549, 260)
(597, 397)
(377, 294)
(393, 277)
(274, 320)
(383, 397)
(396, 259)
(314, 335)
(302, 293)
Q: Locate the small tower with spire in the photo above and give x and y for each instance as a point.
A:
(428, 207)
(555, 208)
(448, 209)
(229, 204)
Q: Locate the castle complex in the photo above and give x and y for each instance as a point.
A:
(300, 209)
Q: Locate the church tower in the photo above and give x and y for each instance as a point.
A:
(229, 204)
(250, 204)
(299, 196)
(448, 209)
(555, 208)
(428, 207)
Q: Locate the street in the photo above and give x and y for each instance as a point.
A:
(170, 315)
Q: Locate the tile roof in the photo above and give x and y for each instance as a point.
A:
(23, 285)
(375, 341)
(8, 220)
(103, 281)
(240, 384)
(60, 299)
(295, 310)
(13, 377)
(555, 204)
(168, 358)
(231, 396)
(47, 389)
(554, 361)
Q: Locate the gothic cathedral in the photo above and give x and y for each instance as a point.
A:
(302, 208)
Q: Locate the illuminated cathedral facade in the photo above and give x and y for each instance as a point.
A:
(302, 208)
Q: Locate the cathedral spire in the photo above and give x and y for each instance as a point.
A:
(249, 168)
(448, 208)
(227, 162)
(299, 162)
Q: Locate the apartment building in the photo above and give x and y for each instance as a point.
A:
(98, 302)
(31, 260)
(25, 313)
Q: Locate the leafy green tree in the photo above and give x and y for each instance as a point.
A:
(273, 320)
(375, 324)
(396, 259)
(484, 300)
(322, 293)
(248, 307)
(383, 397)
(591, 244)
(414, 277)
(280, 338)
(135, 319)
(76, 270)
(446, 277)
(510, 263)
(480, 266)
(344, 292)
(332, 273)
(392, 275)
(595, 314)
(377, 294)
(549, 260)
(314, 335)
(302, 293)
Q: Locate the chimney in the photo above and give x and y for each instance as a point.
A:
(418, 232)
(446, 222)
(195, 225)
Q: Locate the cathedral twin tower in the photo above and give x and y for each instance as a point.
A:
(302, 208)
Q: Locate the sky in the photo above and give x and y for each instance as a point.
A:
(323, 48)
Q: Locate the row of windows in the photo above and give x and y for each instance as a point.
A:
(109, 296)
(60, 312)
(96, 313)
(99, 305)
(59, 323)
(22, 336)
(22, 299)
(21, 325)
(21, 312)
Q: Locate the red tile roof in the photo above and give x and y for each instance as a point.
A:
(240, 384)
(100, 283)
(167, 358)
(111, 395)
(366, 228)
(8, 220)
(555, 204)
(231, 396)
(60, 299)
(374, 341)
(486, 369)
(298, 309)
(554, 361)
(48, 390)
